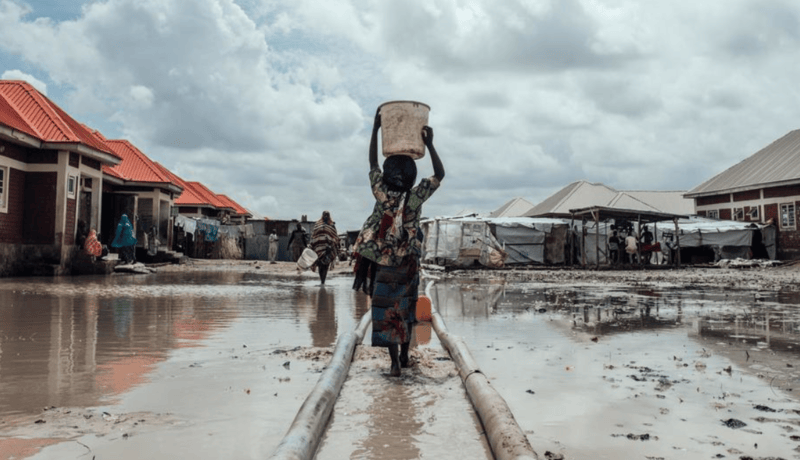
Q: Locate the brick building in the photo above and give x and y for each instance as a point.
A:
(763, 188)
(51, 181)
(140, 188)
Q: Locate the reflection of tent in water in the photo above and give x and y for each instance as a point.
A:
(473, 301)
(494, 242)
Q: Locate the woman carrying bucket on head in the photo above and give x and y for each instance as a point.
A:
(389, 247)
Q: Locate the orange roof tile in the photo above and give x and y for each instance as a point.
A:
(236, 206)
(135, 165)
(190, 198)
(197, 194)
(206, 194)
(27, 110)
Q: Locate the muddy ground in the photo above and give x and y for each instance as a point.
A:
(26, 435)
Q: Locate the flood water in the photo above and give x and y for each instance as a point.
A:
(216, 364)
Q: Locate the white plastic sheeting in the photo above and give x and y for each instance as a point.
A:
(531, 240)
(728, 239)
(464, 241)
(460, 242)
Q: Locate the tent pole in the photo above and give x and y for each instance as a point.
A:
(597, 238)
(571, 238)
(677, 243)
(655, 238)
(583, 241)
(639, 238)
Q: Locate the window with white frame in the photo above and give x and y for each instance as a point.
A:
(753, 213)
(787, 215)
(738, 213)
(712, 213)
(3, 188)
(72, 186)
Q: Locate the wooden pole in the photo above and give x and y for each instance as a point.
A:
(639, 239)
(597, 238)
(677, 243)
(571, 237)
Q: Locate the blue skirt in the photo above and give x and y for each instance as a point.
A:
(394, 304)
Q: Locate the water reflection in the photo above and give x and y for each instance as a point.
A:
(474, 300)
(323, 322)
(85, 341)
(392, 424)
(769, 320)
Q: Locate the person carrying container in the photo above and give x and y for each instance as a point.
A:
(388, 248)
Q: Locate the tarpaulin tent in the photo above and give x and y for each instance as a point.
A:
(465, 241)
(530, 240)
(460, 242)
(727, 238)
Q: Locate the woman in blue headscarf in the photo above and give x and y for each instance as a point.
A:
(124, 240)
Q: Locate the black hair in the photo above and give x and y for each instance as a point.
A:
(399, 172)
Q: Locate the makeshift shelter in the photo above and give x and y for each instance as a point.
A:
(460, 242)
(725, 239)
(592, 226)
(493, 242)
(531, 241)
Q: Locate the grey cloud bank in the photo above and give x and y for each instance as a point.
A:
(271, 102)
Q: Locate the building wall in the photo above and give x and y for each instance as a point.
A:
(39, 220)
(11, 221)
(766, 202)
(71, 227)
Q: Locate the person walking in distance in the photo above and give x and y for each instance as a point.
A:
(325, 242)
(298, 241)
(273, 246)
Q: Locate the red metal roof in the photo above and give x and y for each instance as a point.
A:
(206, 194)
(196, 194)
(135, 165)
(236, 206)
(27, 110)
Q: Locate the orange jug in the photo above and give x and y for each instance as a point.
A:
(423, 308)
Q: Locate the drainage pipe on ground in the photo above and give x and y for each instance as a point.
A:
(506, 438)
(302, 439)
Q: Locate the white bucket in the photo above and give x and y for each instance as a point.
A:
(307, 259)
(401, 128)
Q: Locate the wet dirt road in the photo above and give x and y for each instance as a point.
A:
(215, 362)
(210, 363)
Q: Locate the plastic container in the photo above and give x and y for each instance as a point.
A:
(307, 259)
(401, 128)
(423, 308)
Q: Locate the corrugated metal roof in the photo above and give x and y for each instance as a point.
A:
(189, 198)
(778, 162)
(582, 194)
(38, 116)
(206, 194)
(240, 210)
(576, 195)
(515, 207)
(672, 202)
(135, 165)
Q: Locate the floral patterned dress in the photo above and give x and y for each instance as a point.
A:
(390, 238)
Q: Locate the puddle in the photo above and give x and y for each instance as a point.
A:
(611, 371)
(216, 363)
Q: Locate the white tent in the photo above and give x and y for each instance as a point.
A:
(465, 241)
(727, 238)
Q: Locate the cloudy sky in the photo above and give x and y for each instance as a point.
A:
(271, 101)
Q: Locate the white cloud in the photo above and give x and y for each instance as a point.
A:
(271, 101)
(20, 75)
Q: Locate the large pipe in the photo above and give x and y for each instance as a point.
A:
(506, 438)
(302, 439)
